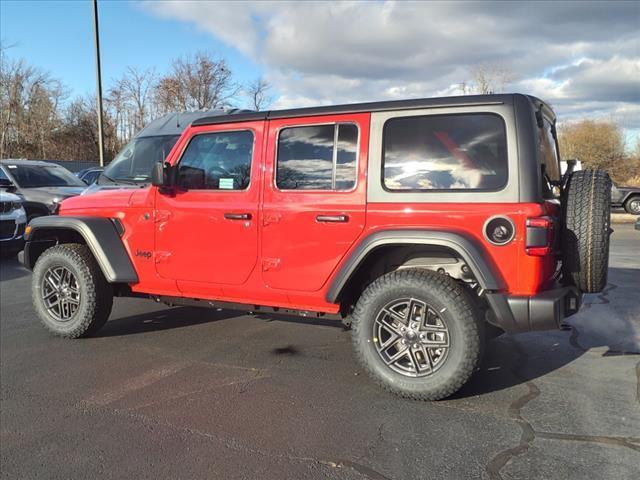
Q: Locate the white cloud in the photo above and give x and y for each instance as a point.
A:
(582, 57)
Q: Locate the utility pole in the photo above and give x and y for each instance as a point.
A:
(99, 82)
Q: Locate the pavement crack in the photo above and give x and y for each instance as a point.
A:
(528, 434)
(368, 472)
(234, 444)
(629, 442)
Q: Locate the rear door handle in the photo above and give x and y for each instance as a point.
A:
(333, 218)
(237, 216)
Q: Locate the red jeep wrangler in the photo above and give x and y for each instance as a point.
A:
(426, 225)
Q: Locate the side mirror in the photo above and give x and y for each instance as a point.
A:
(159, 177)
(6, 183)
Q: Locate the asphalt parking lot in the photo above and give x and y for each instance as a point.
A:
(187, 393)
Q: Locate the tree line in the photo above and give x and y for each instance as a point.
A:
(39, 119)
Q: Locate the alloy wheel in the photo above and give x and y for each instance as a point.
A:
(411, 337)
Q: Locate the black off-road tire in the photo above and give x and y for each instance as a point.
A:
(586, 230)
(457, 312)
(96, 294)
(632, 205)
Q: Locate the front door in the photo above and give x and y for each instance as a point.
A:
(314, 198)
(206, 230)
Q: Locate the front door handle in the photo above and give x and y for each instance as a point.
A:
(333, 218)
(237, 216)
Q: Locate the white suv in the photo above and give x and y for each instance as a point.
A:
(13, 220)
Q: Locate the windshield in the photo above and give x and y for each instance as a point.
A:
(135, 161)
(34, 176)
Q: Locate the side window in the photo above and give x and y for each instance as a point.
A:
(548, 158)
(3, 176)
(318, 157)
(217, 161)
(445, 152)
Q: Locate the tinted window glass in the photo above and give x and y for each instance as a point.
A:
(33, 176)
(548, 158)
(217, 161)
(3, 176)
(306, 157)
(445, 152)
(346, 157)
(135, 161)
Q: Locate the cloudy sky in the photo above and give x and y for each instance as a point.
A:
(583, 57)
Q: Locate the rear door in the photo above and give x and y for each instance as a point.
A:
(314, 198)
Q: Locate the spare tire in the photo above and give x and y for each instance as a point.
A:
(586, 228)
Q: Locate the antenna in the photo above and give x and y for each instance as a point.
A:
(178, 119)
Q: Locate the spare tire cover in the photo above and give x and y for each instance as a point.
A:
(586, 227)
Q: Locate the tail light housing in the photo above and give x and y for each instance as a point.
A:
(540, 236)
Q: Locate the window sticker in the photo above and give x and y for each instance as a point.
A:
(226, 184)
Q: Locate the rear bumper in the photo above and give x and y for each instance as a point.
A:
(544, 311)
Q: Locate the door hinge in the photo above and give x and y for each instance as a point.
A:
(161, 256)
(270, 264)
(161, 216)
(270, 218)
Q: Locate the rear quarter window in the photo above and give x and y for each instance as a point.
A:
(445, 152)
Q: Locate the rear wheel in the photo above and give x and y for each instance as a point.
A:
(585, 235)
(70, 294)
(417, 334)
(632, 206)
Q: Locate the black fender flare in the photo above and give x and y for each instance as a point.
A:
(101, 236)
(469, 250)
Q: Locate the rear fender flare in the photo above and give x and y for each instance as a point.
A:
(469, 251)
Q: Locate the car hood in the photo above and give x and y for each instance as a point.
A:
(109, 199)
(94, 187)
(9, 197)
(49, 194)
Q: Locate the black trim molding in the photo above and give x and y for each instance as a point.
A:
(102, 238)
(488, 277)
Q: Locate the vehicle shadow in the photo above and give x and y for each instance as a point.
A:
(180, 317)
(10, 269)
(608, 321)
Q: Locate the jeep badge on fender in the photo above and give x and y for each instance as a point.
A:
(425, 225)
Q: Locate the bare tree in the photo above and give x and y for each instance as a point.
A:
(258, 93)
(196, 82)
(487, 78)
(131, 100)
(29, 102)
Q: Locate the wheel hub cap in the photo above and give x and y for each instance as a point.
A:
(60, 293)
(411, 337)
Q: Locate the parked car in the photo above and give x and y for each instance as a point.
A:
(627, 198)
(425, 225)
(13, 220)
(131, 168)
(89, 175)
(41, 185)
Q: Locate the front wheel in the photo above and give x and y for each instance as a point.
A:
(70, 294)
(417, 334)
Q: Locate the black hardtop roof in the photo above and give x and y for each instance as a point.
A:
(458, 101)
(174, 123)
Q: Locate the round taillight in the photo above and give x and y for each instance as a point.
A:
(499, 230)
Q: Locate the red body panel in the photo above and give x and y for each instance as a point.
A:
(282, 256)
